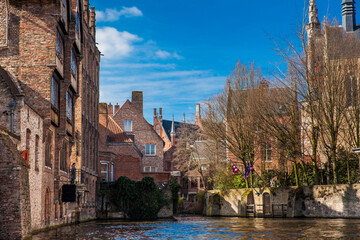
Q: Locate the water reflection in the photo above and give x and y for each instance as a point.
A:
(193, 227)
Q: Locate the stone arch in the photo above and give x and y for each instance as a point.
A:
(250, 199)
(4, 23)
(267, 203)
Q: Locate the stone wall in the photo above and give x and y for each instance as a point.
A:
(313, 201)
(15, 212)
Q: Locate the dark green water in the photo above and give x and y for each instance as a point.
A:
(193, 227)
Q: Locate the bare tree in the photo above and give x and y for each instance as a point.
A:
(230, 117)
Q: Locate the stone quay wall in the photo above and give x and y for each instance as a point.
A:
(15, 212)
(321, 201)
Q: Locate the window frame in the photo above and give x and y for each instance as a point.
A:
(268, 152)
(69, 109)
(104, 172)
(48, 149)
(54, 93)
(73, 61)
(60, 45)
(150, 169)
(152, 147)
(126, 127)
(64, 158)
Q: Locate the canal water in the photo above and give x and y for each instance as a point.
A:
(197, 227)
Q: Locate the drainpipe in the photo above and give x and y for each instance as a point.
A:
(12, 106)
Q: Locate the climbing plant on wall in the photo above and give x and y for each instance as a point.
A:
(137, 199)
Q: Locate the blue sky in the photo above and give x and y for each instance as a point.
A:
(179, 52)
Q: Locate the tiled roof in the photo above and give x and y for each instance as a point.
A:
(116, 134)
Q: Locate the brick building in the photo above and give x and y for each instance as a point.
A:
(170, 131)
(47, 49)
(128, 145)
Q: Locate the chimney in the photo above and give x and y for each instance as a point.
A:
(155, 115)
(184, 121)
(137, 100)
(198, 114)
(92, 25)
(348, 15)
(117, 107)
(160, 115)
(110, 109)
(103, 112)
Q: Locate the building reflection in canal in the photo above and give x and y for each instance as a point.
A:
(194, 227)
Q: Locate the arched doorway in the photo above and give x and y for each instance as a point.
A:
(47, 207)
(267, 205)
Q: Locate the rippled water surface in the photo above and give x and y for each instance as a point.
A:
(193, 227)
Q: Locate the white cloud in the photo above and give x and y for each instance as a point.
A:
(161, 54)
(127, 66)
(111, 15)
(115, 44)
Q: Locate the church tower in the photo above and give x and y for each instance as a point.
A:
(313, 28)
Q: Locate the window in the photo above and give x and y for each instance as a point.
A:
(77, 26)
(267, 152)
(351, 91)
(112, 173)
(59, 45)
(73, 63)
(150, 149)
(63, 159)
(69, 106)
(149, 169)
(37, 139)
(104, 172)
(127, 125)
(28, 137)
(54, 93)
(48, 149)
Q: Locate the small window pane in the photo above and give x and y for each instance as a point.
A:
(69, 106)
(73, 62)
(127, 125)
(150, 149)
(54, 93)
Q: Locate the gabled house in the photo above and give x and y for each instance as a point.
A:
(127, 133)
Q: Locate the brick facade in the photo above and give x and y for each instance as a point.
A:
(50, 56)
(123, 153)
(142, 132)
